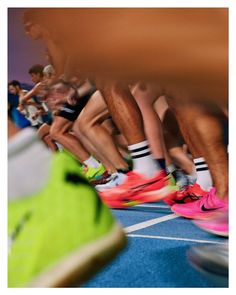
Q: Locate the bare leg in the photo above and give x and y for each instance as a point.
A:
(206, 135)
(125, 111)
(89, 124)
(145, 96)
(128, 119)
(181, 159)
(118, 138)
(174, 142)
(93, 150)
(60, 132)
(161, 106)
(44, 134)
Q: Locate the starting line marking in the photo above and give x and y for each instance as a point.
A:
(173, 238)
(150, 222)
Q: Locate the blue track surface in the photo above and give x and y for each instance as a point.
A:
(156, 254)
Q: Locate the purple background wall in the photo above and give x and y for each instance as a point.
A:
(22, 51)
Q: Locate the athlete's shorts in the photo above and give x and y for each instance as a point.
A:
(71, 112)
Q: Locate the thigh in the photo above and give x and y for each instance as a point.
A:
(60, 124)
(95, 110)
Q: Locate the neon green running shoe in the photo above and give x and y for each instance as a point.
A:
(96, 175)
(93, 175)
(61, 234)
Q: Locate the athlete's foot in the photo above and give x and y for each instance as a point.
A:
(138, 189)
(208, 206)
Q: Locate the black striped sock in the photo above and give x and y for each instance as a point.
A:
(200, 165)
(142, 159)
(140, 152)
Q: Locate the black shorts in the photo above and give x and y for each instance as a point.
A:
(71, 112)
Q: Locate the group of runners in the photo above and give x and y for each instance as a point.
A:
(138, 108)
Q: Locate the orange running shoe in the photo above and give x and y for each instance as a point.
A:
(189, 194)
(138, 189)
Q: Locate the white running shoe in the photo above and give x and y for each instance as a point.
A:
(114, 180)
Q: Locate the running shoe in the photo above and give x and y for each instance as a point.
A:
(188, 194)
(218, 225)
(62, 234)
(204, 208)
(96, 175)
(138, 189)
(114, 180)
(211, 261)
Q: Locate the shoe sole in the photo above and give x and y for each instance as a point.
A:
(82, 264)
(203, 215)
(214, 232)
(126, 193)
(156, 195)
(145, 197)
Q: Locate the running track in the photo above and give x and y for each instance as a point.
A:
(156, 253)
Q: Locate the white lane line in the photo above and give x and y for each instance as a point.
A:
(153, 206)
(148, 223)
(173, 238)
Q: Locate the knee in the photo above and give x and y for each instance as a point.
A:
(83, 125)
(77, 128)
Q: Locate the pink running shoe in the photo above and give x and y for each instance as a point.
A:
(190, 194)
(138, 189)
(204, 208)
(218, 225)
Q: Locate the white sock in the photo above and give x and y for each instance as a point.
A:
(143, 161)
(203, 174)
(92, 162)
(171, 168)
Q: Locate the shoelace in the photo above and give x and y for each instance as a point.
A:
(186, 193)
(111, 177)
(192, 196)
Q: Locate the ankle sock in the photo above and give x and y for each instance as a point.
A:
(92, 162)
